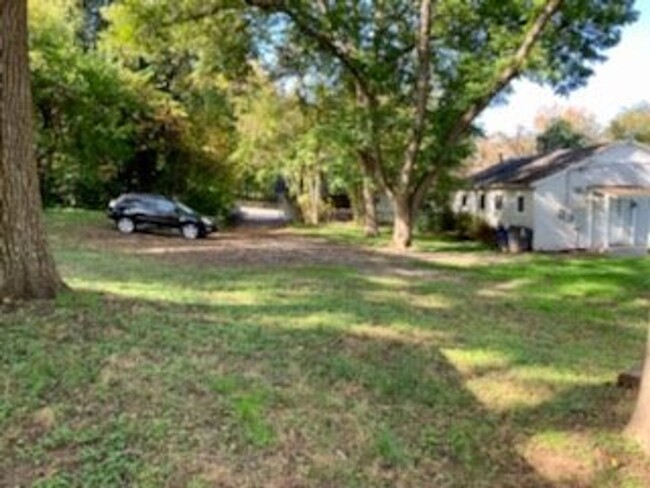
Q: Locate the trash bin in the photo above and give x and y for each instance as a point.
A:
(520, 239)
(526, 239)
(502, 238)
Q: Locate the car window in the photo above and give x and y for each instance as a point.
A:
(129, 201)
(184, 208)
(164, 206)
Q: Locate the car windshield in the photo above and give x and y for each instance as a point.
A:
(184, 208)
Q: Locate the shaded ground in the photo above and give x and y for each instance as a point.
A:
(280, 359)
(261, 245)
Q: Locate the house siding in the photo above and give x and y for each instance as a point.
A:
(569, 216)
(507, 216)
(566, 211)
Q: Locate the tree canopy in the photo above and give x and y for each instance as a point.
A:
(632, 123)
(560, 134)
(207, 99)
(423, 71)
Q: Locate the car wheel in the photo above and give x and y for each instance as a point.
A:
(126, 225)
(190, 231)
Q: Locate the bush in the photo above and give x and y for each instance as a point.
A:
(470, 227)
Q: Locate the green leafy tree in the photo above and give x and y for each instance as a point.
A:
(632, 123)
(423, 71)
(196, 68)
(88, 112)
(560, 134)
(285, 136)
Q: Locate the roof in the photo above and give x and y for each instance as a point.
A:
(524, 171)
(622, 191)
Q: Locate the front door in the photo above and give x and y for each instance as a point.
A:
(623, 216)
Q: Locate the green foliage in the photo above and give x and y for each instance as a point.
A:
(560, 134)
(416, 130)
(467, 226)
(632, 123)
(303, 142)
(204, 99)
(107, 123)
(390, 449)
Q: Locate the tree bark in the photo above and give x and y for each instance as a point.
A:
(355, 194)
(403, 222)
(404, 199)
(27, 269)
(639, 426)
(370, 224)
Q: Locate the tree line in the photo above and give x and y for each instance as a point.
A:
(205, 99)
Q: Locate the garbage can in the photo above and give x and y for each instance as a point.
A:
(520, 239)
(526, 239)
(513, 239)
(502, 238)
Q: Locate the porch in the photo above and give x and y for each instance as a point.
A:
(619, 220)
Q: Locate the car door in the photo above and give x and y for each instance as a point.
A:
(133, 208)
(146, 210)
(166, 213)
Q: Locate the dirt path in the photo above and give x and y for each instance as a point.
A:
(243, 246)
(260, 246)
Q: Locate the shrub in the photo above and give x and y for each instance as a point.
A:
(468, 226)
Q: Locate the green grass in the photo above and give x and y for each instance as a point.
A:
(351, 234)
(159, 373)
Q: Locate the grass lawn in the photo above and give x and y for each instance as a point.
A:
(456, 367)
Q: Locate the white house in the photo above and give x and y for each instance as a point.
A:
(595, 198)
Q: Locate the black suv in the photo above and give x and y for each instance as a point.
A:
(139, 210)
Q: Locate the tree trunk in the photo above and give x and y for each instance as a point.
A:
(355, 194)
(370, 226)
(368, 192)
(639, 426)
(26, 266)
(402, 223)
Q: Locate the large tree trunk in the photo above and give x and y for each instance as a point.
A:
(403, 222)
(639, 426)
(26, 266)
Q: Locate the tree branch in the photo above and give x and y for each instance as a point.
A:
(422, 93)
(345, 52)
(509, 72)
(423, 186)
(371, 157)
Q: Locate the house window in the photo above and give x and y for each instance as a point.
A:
(481, 204)
(463, 200)
(521, 203)
(498, 202)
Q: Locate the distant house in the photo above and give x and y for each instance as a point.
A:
(595, 198)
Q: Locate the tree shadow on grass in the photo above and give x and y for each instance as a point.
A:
(305, 376)
(207, 393)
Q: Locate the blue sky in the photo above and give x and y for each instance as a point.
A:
(621, 81)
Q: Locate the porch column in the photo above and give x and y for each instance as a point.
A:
(606, 207)
(589, 238)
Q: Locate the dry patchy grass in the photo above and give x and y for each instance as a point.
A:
(324, 365)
